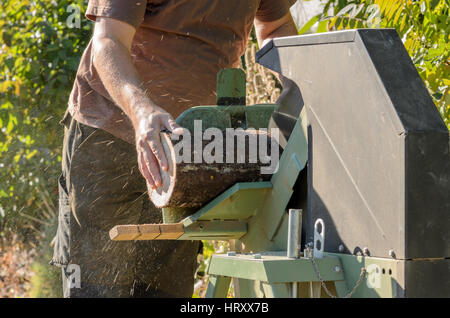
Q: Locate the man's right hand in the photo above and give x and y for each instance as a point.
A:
(148, 124)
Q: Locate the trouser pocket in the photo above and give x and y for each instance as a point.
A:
(61, 248)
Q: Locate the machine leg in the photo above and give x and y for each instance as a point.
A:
(276, 290)
(218, 286)
(314, 289)
(237, 290)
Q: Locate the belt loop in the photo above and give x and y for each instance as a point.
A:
(65, 121)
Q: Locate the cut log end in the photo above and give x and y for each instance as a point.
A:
(161, 196)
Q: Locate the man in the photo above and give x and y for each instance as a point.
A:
(147, 62)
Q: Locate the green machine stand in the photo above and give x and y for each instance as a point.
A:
(346, 214)
(254, 214)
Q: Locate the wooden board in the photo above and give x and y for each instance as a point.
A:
(124, 232)
(141, 232)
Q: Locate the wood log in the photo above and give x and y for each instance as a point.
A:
(195, 183)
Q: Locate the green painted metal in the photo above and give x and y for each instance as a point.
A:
(231, 87)
(341, 288)
(239, 202)
(256, 116)
(214, 230)
(272, 268)
(382, 277)
(275, 290)
(225, 217)
(218, 286)
(292, 161)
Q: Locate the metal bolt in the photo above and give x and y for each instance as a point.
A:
(257, 256)
(392, 253)
(231, 254)
(337, 269)
(366, 251)
(341, 248)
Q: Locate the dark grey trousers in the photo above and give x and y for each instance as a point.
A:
(100, 187)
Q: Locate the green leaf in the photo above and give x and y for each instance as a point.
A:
(323, 26)
(12, 122)
(308, 25)
(397, 16)
(332, 22)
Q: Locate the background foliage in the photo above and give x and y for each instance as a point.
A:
(39, 55)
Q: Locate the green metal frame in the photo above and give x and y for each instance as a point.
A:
(382, 277)
(261, 202)
(271, 269)
(275, 271)
(255, 214)
(222, 117)
(240, 202)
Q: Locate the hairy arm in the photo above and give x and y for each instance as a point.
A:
(111, 57)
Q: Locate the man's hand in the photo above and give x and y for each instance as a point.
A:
(111, 51)
(151, 156)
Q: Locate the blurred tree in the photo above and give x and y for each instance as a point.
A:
(423, 26)
(41, 43)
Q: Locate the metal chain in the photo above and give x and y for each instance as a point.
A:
(322, 282)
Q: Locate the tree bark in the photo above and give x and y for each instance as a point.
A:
(195, 183)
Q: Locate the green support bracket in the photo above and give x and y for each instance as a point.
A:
(382, 275)
(292, 161)
(231, 87)
(226, 216)
(221, 117)
(214, 230)
(239, 202)
(273, 268)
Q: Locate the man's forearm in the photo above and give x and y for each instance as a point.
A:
(112, 60)
(287, 29)
(119, 76)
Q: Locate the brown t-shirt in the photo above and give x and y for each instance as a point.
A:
(179, 47)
